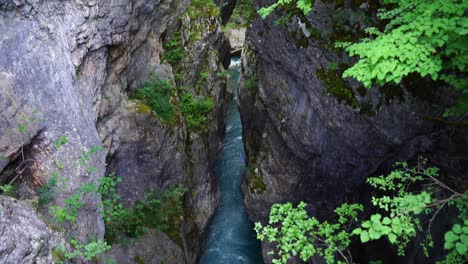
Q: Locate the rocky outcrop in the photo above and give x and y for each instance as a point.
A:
(312, 136)
(154, 247)
(66, 73)
(25, 237)
(236, 38)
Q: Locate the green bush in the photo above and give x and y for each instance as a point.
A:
(174, 52)
(158, 209)
(251, 84)
(196, 111)
(242, 14)
(156, 93)
(88, 251)
(73, 204)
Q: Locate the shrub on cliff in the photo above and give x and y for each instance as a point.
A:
(196, 111)
(157, 93)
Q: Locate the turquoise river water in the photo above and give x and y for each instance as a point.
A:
(231, 238)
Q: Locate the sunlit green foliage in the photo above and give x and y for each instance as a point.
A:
(73, 204)
(424, 37)
(296, 234)
(457, 238)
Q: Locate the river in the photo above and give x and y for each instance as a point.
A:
(230, 236)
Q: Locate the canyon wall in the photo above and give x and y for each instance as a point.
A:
(313, 136)
(67, 69)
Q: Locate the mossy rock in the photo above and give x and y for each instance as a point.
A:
(337, 87)
(138, 260)
(141, 107)
(256, 184)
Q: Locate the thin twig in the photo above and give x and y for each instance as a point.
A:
(339, 251)
(438, 210)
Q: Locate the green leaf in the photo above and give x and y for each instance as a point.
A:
(461, 248)
(450, 236)
(448, 245)
(457, 229)
(392, 238)
(386, 221)
(464, 239)
(374, 234)
(364, 236)
(375, 218)
(386, 230)
(377, 226)
(366, 224)
(357, 231)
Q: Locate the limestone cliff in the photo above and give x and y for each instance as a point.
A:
(67, 69)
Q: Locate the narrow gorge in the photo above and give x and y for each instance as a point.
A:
(231, 237)
(233, 131)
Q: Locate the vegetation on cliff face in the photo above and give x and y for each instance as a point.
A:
(195, 109)
(426, 38)
(157, 93)
(423, 37)
(404, 209)
(158, 209)
(242, 14)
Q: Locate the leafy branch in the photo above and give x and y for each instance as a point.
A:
(296, 234)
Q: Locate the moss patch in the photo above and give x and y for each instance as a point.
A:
(256, 183)
(337, 87)
(251, 84)
(141, 108)
(138, 260)
(300, 39)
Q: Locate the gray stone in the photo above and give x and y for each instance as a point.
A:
(25, 238)
(70, 66)
(154, 247)
(236, 37)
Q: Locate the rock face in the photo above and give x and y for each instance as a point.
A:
(312, 136)
(236, 37)
(66, 73)
(227, 6)
(25, 238)
(153, 247)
